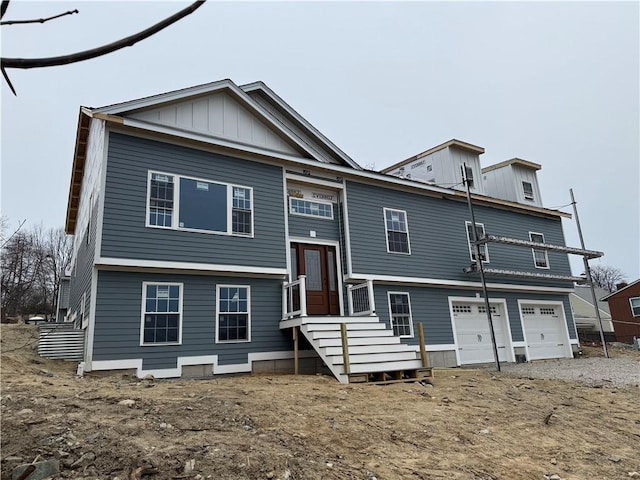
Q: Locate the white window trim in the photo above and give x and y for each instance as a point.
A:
(631, 305)
(176, 205)
(389, 293)
(386, 231)
(218, 287)
(533, 251)
(319, 217)
(530, 198)
(471, 247)
(143, 311)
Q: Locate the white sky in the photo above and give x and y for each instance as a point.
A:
(554, 83)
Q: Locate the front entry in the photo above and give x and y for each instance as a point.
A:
(318, 263)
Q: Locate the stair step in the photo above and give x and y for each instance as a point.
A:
(357, 341)
(312, 327)
(363, 319)
(367, 348)
(386, 366)
(350, 333)
(369, 358)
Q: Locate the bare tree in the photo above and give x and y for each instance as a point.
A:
(607, 277)
(86, 54)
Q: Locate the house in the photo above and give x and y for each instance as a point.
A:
(624, 305)
(217, 231)
(584, 314)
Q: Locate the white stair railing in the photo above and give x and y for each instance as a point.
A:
(289, 291)
(361, 300)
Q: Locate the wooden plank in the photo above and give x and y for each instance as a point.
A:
(295, 350)
(345, 348)
(423, 350)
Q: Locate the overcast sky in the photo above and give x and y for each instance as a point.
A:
(553, 83)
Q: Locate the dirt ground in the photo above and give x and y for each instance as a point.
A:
(469, 425)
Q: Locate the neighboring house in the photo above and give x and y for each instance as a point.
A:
(585, 317)
(213, 223)
(624, 305)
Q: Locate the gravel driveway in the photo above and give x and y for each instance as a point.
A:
(602, 372)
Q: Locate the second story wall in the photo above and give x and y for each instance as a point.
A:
(125, 232)
(438, 239)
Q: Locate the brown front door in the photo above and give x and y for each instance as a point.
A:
(318, 264)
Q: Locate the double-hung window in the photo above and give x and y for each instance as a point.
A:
(185, 203)
(484, 250)
(400, 314)
(161, 313)
(540, 257)
(527, 190)
(635, 306)
(397, 231)
(233, 313)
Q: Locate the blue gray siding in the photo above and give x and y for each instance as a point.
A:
(80, 280)
(300, 226)
(119, 315)
(124, 233)
(431, 307)
(438, 238)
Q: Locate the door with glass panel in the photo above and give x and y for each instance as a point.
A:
(318, 264)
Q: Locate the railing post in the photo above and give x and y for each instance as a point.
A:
(284, 301)
(372, 302)
(350, 299)
(345, 348)
(423, 350)
(303, 295)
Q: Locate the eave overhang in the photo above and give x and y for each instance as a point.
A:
(77, 171)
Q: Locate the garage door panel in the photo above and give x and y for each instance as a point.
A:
(474, 336)
(544, 331)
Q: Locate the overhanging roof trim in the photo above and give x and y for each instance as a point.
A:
(77, 171)
(451, 143)
(250, 87)
(513, 161)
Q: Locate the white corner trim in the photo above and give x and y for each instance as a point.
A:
(207, 267)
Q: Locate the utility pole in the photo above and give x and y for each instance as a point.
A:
(587, 272)
(468, 181)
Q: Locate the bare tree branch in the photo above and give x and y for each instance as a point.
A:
(5, 241)
(6, 78)
(39, 20)
(99, 51)
(3, 8)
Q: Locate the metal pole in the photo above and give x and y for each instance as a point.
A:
(587, 272)
(480, 267)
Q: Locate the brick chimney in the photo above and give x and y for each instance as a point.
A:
(621, 285)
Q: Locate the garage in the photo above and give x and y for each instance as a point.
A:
(473, 335)
(545, 331)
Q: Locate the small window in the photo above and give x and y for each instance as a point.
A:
(540, 257)
(482, 309)
(162, 313)
(233, 316)
(462, 309)
(397, 231)
(241, 211)
(528, 311)
(635, 306)
(299, 206)
(160, 200)
(527, 189)
(547, 311)
(484, 250)
(400, 314)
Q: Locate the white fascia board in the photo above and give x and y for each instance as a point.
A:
(103, 262)
(438, 282)
(287, 108)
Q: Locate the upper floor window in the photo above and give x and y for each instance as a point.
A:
(397, 231)
(540, 257)
(635, 306)
(161, 313)
(233, 313)
(484, 250)
(400, 314)
(299, 206)
(184, 203)
(527, 189)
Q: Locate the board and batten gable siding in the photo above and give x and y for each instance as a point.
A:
(438, 239)
(430, 306)
(124, 234)
(119, 315)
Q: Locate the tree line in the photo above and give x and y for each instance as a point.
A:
(33, 262)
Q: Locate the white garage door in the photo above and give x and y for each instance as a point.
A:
(473, 334)
(544, 331)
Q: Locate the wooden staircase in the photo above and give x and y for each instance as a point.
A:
(373, 351)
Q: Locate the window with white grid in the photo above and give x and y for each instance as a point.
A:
(397, 231)
(233, 313)
(540, 257)
(400, 314)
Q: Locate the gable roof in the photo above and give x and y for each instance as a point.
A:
(613, 294)
(451, 143)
